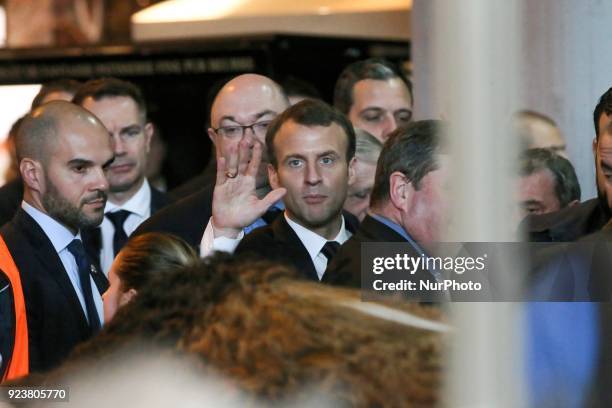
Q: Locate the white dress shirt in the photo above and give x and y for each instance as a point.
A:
(210, 244)
(60, 238)
(314, 243)
(139, 205)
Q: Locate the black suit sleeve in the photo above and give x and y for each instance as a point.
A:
(7, 322)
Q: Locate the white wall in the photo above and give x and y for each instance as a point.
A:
(566, 65)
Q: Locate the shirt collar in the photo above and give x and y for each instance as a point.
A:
(59, 235)
(313, 241)
(138, 204)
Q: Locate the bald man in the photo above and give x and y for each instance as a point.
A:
(240, 115)
(63, 153)
(538, 131)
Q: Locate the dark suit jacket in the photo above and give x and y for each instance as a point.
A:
(197, 183)
(11, 195)
(345, 268)
(568, 224)
(186, 218)
(56, 321)
(92, 237)
(576, 272)
(279, 242)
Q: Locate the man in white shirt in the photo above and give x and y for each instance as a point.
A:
(64, 152)
(131, 200)
(310, 147)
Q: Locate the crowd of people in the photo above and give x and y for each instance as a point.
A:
(93, 256)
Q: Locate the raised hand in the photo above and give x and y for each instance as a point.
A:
(235, 203)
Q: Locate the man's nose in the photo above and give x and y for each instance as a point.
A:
(100, 181)
(313, 174)
(390, 124)
(249, 137)
(118, 145)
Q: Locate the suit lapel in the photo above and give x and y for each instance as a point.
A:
(373, 230)
(49, 261)
(92, 241)
(351, 223)
(296, 251)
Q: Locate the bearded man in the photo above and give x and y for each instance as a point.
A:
(64, 152)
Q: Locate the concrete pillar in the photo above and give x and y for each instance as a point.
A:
(465, 68)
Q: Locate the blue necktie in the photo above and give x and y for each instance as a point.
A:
(78, 251)
(329, 249)
(117, 218)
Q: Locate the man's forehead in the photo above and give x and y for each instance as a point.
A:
(368, 88)
(248, 92)
(300, 138)
(247, 117)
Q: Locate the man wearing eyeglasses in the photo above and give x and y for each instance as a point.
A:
(240, 115)
(120, 106)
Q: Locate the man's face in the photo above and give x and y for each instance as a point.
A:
(131, 138)
(427, 214)
(75, 186)
(312, 166)
(358, 195)
(602, 148)
(246, 100)
(536, 194)
(380, 107)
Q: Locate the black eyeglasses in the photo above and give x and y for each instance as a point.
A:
(237, 131)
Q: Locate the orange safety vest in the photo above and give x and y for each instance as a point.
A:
(19, 363)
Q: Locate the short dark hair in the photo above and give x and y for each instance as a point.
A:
(373, 68)
(61, 85)
(410, 150)
(567, 188)
(294, 86)
(33, 135)
(311, 112)
(111, 87)
(603, 106)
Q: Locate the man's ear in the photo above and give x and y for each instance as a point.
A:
(273, 177)
(212, 135)
(351, 171)
(595, 148)
(32, 173)
(573, 203)
(401, 191)
(127, 296)
(148, 134)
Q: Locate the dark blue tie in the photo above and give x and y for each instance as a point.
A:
(78, 251)
(120, 237)
(329, 249)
